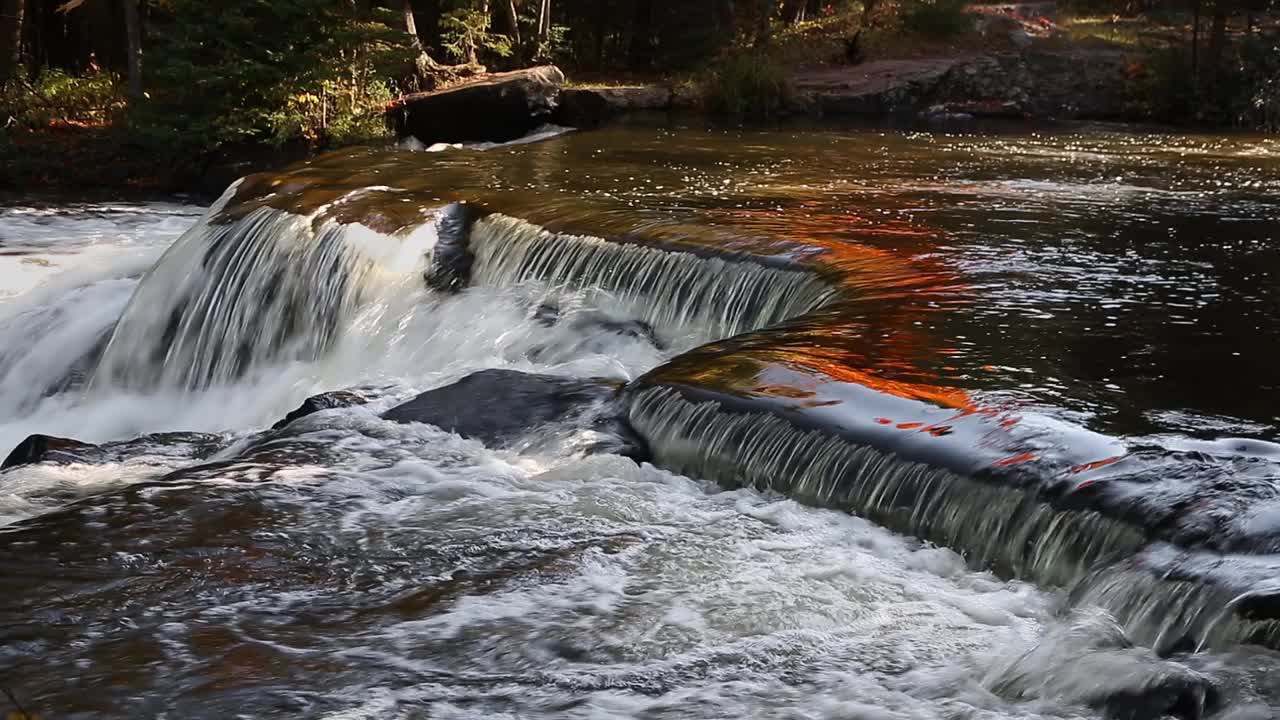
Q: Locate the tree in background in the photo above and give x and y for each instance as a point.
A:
(12, 29)
(231, 71)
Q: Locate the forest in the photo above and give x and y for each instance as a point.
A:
(186, 77)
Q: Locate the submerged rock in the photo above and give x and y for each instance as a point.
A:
(496, 108)
(48, 448)
(497, 407)
(327, 401)
(64, 451)
(587, 332)
(1179, 692)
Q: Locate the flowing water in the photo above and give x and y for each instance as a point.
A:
(1106, 288)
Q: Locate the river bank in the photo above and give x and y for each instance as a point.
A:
(1036, 88)
(1016, 65)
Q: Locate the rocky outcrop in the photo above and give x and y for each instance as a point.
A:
(328, 401)
(1042, 84)
(883, 87)
(495, 108)
(1070, 84)
(498, 407)
(37, 449)
(591, 107)
(47, 448)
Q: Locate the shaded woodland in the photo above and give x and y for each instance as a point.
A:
(183, 78)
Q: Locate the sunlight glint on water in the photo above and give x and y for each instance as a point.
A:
(404, 571)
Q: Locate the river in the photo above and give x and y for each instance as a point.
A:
(1094, 282)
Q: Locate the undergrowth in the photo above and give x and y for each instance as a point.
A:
(748, 82)
(937, 18)
(56, 97)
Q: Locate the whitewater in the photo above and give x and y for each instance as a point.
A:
(361, 568)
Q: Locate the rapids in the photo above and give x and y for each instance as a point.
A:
(941, 426)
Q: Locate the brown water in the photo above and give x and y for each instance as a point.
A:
(1124, 282)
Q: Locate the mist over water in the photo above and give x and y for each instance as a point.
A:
(358, 568)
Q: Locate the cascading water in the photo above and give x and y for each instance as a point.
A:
(995, 527)
(232, 295)
(346, 565)
(677, 292)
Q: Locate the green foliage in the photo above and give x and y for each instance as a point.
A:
(937, 18)
(748, 82)
(56, 96)
(274, 71)
(554, 47)
(1169, 84)
(687, 34)
(1244, 92)
(465, 33)
(1259, 68)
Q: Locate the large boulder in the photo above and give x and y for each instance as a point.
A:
(590, 107)
(495, 108)
(499, 407)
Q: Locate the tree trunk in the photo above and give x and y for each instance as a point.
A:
(133, 33)
(544, 20)
(853, 46)
(1217, 40)
(764, 22)
(1195, 40)
(641, 54)
(602, 27)
(411, 25)
(508, 8)
(729, 17)
(795, 11)
(12, 30)
(429, 31)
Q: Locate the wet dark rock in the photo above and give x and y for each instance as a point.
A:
(1186, 695)
(47, 448)
(596, 322)
(1260, 606)
(1040, 83)
(57, 450)
(583, 109)
(451, 260)
(591, 107)
(497, 407)
(496, 108)
(1034, 83)
(1223, 501)
(325, 401)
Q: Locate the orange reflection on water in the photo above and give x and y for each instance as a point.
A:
(839, 237)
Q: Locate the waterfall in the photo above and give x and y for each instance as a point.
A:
(676, 292)
(1168, 597)
(267, 286)
(1000, 528)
